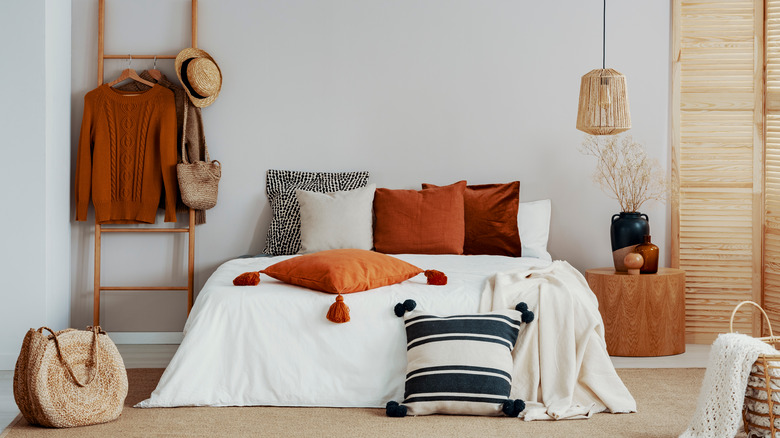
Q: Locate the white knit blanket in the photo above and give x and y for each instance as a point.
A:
(719, 408)
(561, 366)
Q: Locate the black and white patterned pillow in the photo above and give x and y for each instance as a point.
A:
(284, 234)
(459, 364)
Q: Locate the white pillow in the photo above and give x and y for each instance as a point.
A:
(336, 220)
(533, 223)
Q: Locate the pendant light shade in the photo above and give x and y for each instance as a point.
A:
(603, 108)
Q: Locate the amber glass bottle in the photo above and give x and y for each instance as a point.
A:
(649, 252)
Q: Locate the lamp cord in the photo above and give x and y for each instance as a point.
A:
(604, 37)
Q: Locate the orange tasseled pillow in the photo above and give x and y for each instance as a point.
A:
(341, 271)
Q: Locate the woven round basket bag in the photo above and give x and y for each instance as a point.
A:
(69, 378)
(761, 410)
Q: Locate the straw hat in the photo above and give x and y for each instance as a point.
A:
(200, 75)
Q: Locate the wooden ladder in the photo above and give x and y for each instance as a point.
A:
(99, 229)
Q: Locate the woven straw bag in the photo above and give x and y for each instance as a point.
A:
(69, 378)
(198, 181)
(761, 410)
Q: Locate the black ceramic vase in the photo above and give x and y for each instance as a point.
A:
(627, 231)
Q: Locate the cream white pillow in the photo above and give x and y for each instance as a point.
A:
(336, 220)
(533, 223)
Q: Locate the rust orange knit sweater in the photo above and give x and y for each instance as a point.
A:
(127, 152)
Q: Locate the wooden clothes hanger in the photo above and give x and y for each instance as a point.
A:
(129, 73)
(153, 72)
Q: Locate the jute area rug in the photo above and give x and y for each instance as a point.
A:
(665, 398)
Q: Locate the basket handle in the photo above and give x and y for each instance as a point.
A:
(734, 312)
(95, 330)
(184, 133)
(184, 158)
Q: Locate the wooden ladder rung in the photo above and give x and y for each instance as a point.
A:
(144, 230)
(134, 288)
(139, 56)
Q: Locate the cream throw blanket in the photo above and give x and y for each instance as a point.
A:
(719, 409)
(561, 366)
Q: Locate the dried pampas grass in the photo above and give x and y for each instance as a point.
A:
(624, 171)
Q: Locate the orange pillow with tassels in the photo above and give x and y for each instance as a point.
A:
(340, 271)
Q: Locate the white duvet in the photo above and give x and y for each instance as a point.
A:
(272, 345)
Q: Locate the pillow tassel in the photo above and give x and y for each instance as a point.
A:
(338, 312)
(247, 279)
(436, 278)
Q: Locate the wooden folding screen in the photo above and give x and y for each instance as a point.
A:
(717, 153)
(771, 286)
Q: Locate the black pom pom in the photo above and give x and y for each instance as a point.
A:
(406, 306)
(393, 409)
(527, 315)
(512, 408)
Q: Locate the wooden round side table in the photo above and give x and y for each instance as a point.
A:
(644, 315)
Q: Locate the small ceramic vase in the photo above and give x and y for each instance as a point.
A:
(633, 262)
(626, 232)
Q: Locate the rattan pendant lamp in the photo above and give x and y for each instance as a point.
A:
(603, 108)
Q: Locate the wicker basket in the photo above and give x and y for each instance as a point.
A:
(761, 410)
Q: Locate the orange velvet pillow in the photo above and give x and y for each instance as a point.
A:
(342, 271)
(490, 213)
(428, 221)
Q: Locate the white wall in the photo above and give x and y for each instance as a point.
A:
(57, 53)
(413, 91)
(35, 126)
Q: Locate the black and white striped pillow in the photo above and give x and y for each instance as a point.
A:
(284, 234)
(460, 364)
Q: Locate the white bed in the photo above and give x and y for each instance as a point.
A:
(272, 345)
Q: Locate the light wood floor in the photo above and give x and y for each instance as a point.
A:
(158, 356)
